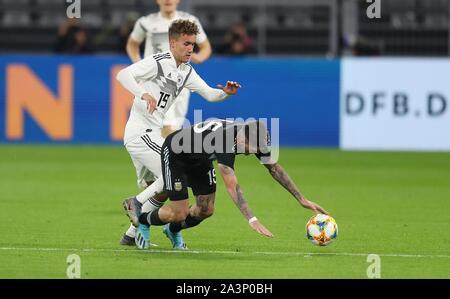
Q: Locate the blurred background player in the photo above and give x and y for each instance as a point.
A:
(153, 28)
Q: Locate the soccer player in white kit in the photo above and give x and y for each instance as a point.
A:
(153, 28)
(156, 82)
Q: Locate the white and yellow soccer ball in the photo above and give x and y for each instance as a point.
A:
(321, 229)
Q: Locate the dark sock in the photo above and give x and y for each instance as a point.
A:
(190, 221)
(151, 218)
(143, 219)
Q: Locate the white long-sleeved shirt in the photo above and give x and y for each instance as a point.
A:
(159, 76)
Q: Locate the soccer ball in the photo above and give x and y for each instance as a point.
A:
(321, 229)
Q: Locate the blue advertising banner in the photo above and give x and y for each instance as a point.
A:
(76, 99)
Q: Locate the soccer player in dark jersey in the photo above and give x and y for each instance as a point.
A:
(187, 157)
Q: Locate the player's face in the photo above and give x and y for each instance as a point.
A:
(168, 6)
(183, 47)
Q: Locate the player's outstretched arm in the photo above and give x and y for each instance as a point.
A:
(196, 84)
(230, 88)
(236, 194)
(282, 177)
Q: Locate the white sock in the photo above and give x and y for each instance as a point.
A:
(151, 205)
(155, 188)
(131, 232)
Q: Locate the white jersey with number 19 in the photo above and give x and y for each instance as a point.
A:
(159, 76)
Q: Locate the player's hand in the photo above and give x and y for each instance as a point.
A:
(151, 102)
(261, 229)
(319, 210)
(314, 207)
(230, 88)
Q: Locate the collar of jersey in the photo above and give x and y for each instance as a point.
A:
(174, 63)
(174, 17)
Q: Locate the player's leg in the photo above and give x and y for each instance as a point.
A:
(202, 180)
(133, 205)
(145, 152)
(202, 209)
(128, 237)
(176, 115)
(175, 185)
(176, 211)
(151, 204)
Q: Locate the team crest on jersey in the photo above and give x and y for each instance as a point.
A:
(178, 186)
(179, 80)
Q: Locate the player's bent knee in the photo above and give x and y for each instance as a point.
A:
(205, 213)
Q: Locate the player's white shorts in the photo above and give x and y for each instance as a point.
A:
(176, 114)
(145, 152)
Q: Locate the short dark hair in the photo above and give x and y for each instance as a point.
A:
(180, 27)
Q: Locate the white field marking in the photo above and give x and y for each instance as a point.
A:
(304, 254)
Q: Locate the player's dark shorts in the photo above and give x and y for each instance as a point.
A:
(178, 175)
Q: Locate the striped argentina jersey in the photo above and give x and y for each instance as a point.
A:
(212, 140)
(159, 76)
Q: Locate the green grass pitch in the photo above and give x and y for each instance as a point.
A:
(61, 200)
